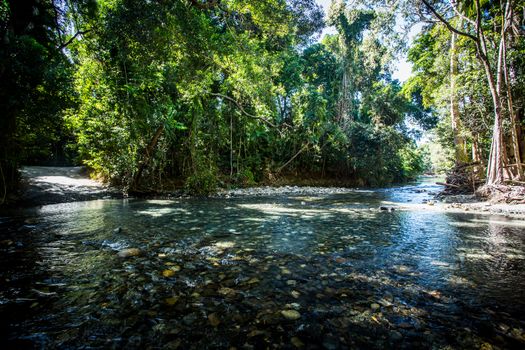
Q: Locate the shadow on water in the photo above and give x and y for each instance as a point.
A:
(312, 271)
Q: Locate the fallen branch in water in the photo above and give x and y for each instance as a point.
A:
(447, 185)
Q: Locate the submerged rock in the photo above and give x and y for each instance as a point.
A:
(291, 314)
(128, 253)
(297, 342)
(171, 301)
(214, 319)
(172, 345)
(226, 291)
(330, 342)
(486, 346)
(396, 336)
(168, 273)
(384, 208)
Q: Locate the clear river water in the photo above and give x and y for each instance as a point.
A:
(314, 270)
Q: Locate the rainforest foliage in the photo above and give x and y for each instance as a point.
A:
(149, 94)
(468, 67)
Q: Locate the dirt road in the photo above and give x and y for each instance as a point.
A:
(47, 185)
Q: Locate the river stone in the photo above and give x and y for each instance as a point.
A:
(383, 208)
(130, 252)
(396, 336)
(168, 273)
(388, 297)
(226, 291)
(295, 306)
(297, 342)
(330, 342)
(189, 319)
(486, 346)
(385, 302)
(291, 314)
(214, 319)
(171, 301)
(172, 345)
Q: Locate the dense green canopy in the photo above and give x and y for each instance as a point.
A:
(150, 94)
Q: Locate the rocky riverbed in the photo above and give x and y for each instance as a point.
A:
(276, 268)
(425, 199)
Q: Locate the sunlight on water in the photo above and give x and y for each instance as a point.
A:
(276, 209)
(156, 212)
(466, 224)
(158, 269)
(161, 202)
(492, 221)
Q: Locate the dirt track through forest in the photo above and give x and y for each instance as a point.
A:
(47, 185)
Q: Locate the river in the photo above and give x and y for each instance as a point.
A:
(315, 269)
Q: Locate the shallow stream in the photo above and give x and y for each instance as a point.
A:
(311, 270)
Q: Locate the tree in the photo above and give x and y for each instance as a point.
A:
(460, 145)
(34, 84)
(214, 91)
(476, 16)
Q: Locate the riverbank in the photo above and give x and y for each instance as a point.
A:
(438, 203)
(515, 211)
(53, 185)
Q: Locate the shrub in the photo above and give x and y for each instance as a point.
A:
(203, 182)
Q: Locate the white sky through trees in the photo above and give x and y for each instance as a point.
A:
(402, 67)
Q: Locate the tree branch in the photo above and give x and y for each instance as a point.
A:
(305, 146)
(447, 24)
(204, 5)
(67, 43)
(454, 4)
(57, 21)
(241, 108)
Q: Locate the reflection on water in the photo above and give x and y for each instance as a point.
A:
(325, 271)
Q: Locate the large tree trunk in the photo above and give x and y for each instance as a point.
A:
(476, 149)
(510, 104)
(477, 157)
(460, 145)
(497, 171)
(498, 155)
(343, 105)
